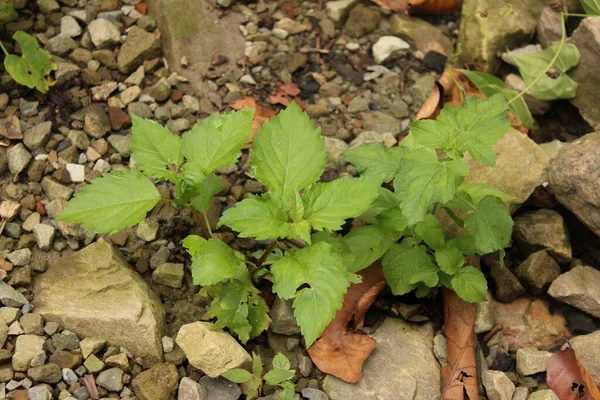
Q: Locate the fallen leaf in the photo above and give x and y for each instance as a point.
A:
(569, 379)
(434, 7)
(285, 93)
(398, 6)
(261, 115)
(460, 373)
(341, 350)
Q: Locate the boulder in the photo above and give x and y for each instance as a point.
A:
(587, 348)
(94, 293)
(421, 34)
(580, 288)
(542, 230)
(402, 366)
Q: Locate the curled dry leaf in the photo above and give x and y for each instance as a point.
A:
(569, 379)
(398, 6)
(261, 114)
(460, 373)
(341, 350)
(286, 92)
(434, 7)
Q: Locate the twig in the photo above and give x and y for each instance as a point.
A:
(205, 229)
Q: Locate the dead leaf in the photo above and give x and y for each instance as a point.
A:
(434, 7)
(261, 114)
(398, 6)
(460, 373)
(569, 379)
(286, 92)
(341, 350)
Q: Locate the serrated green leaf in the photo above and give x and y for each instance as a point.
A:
(210, 187)
(215, 262)
(276, 376)
(431, 232)
(373, 159)
(112, 203)
(386, 200)
(591, 7)
(237, 375)
(34, 65)
(323, 270)
(533, 65)
(478, 191)
(449, 259)
(469, 284)
(401, 262)
(296, 207)
(192, 243)
(216, 141)
(302, 229)
(280, 361)
(156, 151)
(261, 217)
(391, 220)
(367, 244)
(338, 246)
(188, 184)
(426, 275)
(289, 152)
(423, 180)
(257, 368)
(328, 205)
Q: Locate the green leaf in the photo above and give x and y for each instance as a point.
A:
(423, 180)
(327, 279)
(112, 203)
(280, 361)
(257, 368)
(449, 259)
(262, 217)
(276, 376)
(211, 185)
(237, 375)
(215, 262)
(34, 65)
(192, 243)
(532, 66)
(288, 153)
(391, 220)
(216, 141)
(469, 284)
(368, 244)
(188, 184)
(328, 205)
(431, 231)
(465, 244)
(337, 245)
(403, 261)
(478, 191)
(156, 150)
(373, 159)
(289, 391)
(487, 83)
(427, 275)
(386, 200)
(591, 7)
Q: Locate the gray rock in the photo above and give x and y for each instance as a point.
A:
(66, 71)
(338, 10)
(157, 383)
(48, 373)
(48, 6)
(26, 347)
(401, 367)
(531, 361)
(314, 394)
(66, 340)
(366, 137)
(32, 324)
(28, 108)
(422, 88)
(40, 392)
(542, 230)
(358, 104)
(388, 47)
(140, 109)
(220, 389)
(521, 393)
(91, 345)
(138, 47)
(283, 320)
(537, 272)
(69, 26)
(9, 296)
(497, 385)
(545, 394)
(575, 178)
(36, 137)
(104, 34)
(191, 103)
(160, 257)
(69, 376)
(178, 125)
(508, 287)
(161, 90)
(169, 274)
(43, 234)
(97, 281)
(211, 351)
(111, 379)
(147, 230)
(587, 39)
(18, 158)
(96, 121)
(421, 34)
(55, 190)
(189, 389)
(549, 27)
(121, 143)
(587, 348)
(535, 105)
(580, 288)
(380, 122)
(484, 316)
(61, 45)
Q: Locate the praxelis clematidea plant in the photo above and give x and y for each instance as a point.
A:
(288, 157)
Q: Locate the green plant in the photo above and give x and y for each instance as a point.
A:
(34, 65)
(279, 375)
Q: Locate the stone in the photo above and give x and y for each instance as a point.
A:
(402, 366)
(61, 45)
(220, 389)
(484, 316)
(189, 389)
(421, 34)
(508, 287)
(121, 143)
(36, 137)
(138, 47)
(9, 296)
(32, 324)
(101, 93)
(358, 104)
(361, 21)
(317, 110)
(330, 89)
(93, 364)
(531, 361)
(580, 288)
(168, 344)
(48, 6)
(537, 272)
(587, 348)
(3, 332)
(549, 27)
(484, 36)
(69, 376)
(66, 359)
(18, 158)
(587, 40)
(388, 47)
(97, 281)
(379, 122)
(497, 385)
(422, 88)
(161, 90)
(291, 26)
(26, 348)
(147, 230)
(96, 121)
(366, 137)
(66, 71)
(545, 394)
(283, 319)
(40, 392)
(157, 383)
(574, 177)
(111, 379)
(119, 119)
(527, 322)
(55, 190)
(542, 230)
(43, 234)
(48, 373)
(169, 274)
(69, 26)
(76, 172)
(10, 128)
(104, 34)
(65, 340)
(338, 10)
(91, 345)
(211, 351)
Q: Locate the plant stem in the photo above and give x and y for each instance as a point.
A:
(577, 15)
(264, 256)
(205, 228)
(207, 224)
(4, 49)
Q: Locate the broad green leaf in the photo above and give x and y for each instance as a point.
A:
(465, 244)
(367, 244)
(237, 375)
(188, 184)
(276, 376)
(422, 291)
(328, 205)
(485, 82)
(470, 284)
(257, 368)
(258, 313)
(216, 141)
(391, 220)
(280, 361)
(401, 262)
(211, 185)
(156, 151)
(192, 243)
(337, 245)
(591, 7)
(478, 191)
(288, 153)
(327, 279)
(112, 203)
(254, 387)
(386, 200)
(289, 391)
(532, 66)
(34, 65)
(215, 262)
(431, 231)
(423, 180)
(261, 217)
(427, 275)
(449, 259)
(302, 229)
(373, 159)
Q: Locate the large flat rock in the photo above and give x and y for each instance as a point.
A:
(95, 293)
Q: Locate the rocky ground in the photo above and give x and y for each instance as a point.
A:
(90, 317)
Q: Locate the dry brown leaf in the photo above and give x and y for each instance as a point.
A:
(261, 114)
(460, 374)
(569, 379)
(341, 351)
(286, 92)
(398, 6)
(434, 7)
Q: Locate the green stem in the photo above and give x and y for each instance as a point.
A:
(205, 229)
(578, 15)
(6, 53)
(207, 224)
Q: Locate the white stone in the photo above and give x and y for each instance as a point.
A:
(104, 34)
(43, 235)
(387, 47)
(497, 385)
(69, 26)
(76, 172)
(531, 361)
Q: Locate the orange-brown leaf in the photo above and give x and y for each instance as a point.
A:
(398, 6)
(434, 7)
(341, 351)
(261, 114)
(569, 379)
